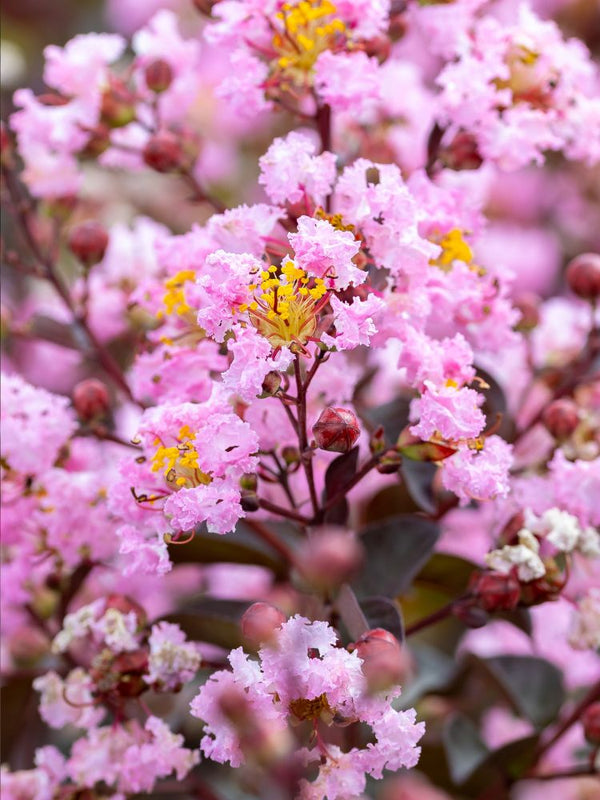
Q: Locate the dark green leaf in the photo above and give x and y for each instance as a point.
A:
(396, 550)
(393, 417)
(351, 613)
(15, 695)
(465, 750)
(533, 686)
(434, 670)
(382, 612)
(240, 547)
(341, 470)
(418, 479)
(212, 620)
(447, 572)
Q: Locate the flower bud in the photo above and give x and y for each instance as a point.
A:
(561, 418)
(6, 146)
(330, 557)
(583, 276)
(336, 430)
(546, 588)
(494, 591)
(249, 501)
(377, 441)
(471, 615)
(290, 454)
(91, 399)
(124, 604)
(385, 663)
(88, 242)
(164, 152)
(591, 723)
(205, 6)
(249, 481)
(529, 306)
(389, 463)
(118, 105)
(158, 75)
(379, 47)
(98, 142)
(461, 153)
(271, 384)
(414, 448)
(259, 623)
(44, 602)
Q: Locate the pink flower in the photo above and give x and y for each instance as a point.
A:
(426, 359)
(35, 425)
(80, 67)
(306, 676)
(354, 323)
(173, 660)
(453, 413)
(242, 89)
(175, 374)
(68, 701)
(479, 475)
(576, 486)
(291, 170)
(129, 758)
(375, 198)
(326, 252)
(251, 362)
(347, 81)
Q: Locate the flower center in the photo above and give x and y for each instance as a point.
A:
(314, 709)
(309, 28)
(179, 463)
(285, 307)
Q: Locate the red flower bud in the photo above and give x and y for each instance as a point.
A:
(529, 306)
(330, 557)
(163, 152)
(249, 501)
(158, 75)
(91, 399)
(124, 604)
(462, 153)
(495, 592)
(118, 104)
(561, 418)
(546, 588)
(6, 146)
(98, 142)
(336, 430)
(385, 663)
(271, 384)
(205, 6)
(583, 276)
(259, 623)
(591, 723)
(88, 242)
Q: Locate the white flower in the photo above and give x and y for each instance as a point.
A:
(523, 555)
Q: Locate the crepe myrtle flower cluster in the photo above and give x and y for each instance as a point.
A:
(343, 300)
(305, 680)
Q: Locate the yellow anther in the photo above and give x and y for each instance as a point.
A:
(186, 433)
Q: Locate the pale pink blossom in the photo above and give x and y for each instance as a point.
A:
(325, 252)
(291, 170)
